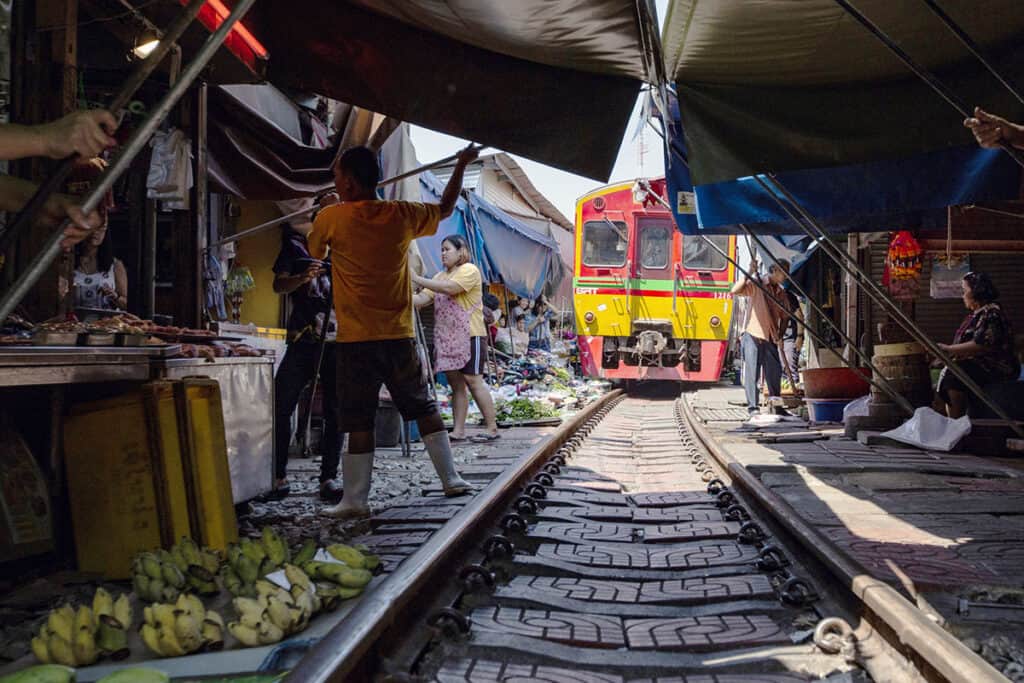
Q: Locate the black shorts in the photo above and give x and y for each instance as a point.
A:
(477, 357)
(364, 366)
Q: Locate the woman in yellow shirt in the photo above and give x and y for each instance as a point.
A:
(459, 333)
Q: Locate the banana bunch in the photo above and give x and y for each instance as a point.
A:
(79, 637)
(337, 581)
(198, 564)
(249, 560)
(174, 630)
(156, 578)
(275, 612)
(356, 557)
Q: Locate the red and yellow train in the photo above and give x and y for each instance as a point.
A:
(651, 303)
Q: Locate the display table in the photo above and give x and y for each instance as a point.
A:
(247, 395)
(55, 365)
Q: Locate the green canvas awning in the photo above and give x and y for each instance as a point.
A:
(776, 85)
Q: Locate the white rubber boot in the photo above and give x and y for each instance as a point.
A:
(440, 450)
(356, 472)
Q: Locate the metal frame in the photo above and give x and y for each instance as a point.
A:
(42, 260)
(789, 203)
(23, 220)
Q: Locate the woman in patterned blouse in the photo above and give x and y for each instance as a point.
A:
(982, 346)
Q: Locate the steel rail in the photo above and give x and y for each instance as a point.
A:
(815, 231)
(921, 72)
(883, 385)
(939, 648)
(23, 220)
(971, 45)
(339, 653)
(42, 260)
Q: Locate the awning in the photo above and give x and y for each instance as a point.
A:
(516, 76)
(802, 90)
(524, 260)
(264, 146)
(505, 250)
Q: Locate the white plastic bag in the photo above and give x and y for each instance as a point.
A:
(858, 407)
(928, 429)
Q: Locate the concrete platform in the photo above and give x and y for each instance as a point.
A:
(941, 527)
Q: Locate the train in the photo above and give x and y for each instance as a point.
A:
(650, 303)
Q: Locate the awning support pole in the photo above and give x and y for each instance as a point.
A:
(969, 43)
(816, 232)
(883, 382)
(938, 86)
(23, 220)
(42, 260)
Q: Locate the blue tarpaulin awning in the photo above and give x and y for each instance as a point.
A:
(505, 250)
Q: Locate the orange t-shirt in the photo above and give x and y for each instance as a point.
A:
(369, 243)
(765, 315)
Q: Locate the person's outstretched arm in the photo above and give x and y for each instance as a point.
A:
(993, 131)
(86, 133)
(454, 186)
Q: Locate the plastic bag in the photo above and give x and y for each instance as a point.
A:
(928, 429)
(858, 407)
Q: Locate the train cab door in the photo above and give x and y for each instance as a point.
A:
(653, 260)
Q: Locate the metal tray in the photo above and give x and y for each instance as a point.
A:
(102, 339)
(46, 338)
(124, 339)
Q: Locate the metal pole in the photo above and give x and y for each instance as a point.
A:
(888, 388)
(426, 167)
(854, 270)
(971, 45)
(938, 86)
(141, 72)
(42, 260)
(883, 383)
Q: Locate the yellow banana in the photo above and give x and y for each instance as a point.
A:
(270, 633)
(282, 615)
(84, 647)
(213, 635)
(60, 650)
(151, 637)
(60, 622)
(277, 549)
(296, 576)
(170, 645)
(265, 589)
(151, 566)
(102, 603)
(84, 620)
(191, 604)
(188, 631)
(246, 635)
(215, 617)
(122, 611)
(164, 616)
(348, 555)
(40, 650)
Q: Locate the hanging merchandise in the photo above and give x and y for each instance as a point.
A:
(947, 272)
(170, 169)
(903, 266)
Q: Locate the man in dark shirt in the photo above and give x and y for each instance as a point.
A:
(792, 339)
(307, 282)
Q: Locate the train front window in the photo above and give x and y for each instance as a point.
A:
(698, 255)
(655, 243)
(605, 243)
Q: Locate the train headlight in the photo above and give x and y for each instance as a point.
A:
(715, 321)
(589, 317)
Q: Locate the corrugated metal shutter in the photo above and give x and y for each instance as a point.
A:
(939, 318)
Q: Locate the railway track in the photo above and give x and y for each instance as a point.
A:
(619, 551)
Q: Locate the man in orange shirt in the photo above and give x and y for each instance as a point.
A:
(369, 242)
(760, 341)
